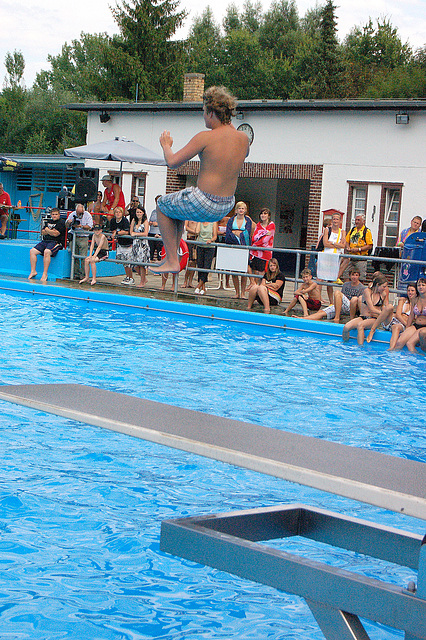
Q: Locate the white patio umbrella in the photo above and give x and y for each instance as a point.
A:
(120, 149)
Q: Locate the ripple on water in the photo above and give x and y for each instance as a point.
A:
(81, 508)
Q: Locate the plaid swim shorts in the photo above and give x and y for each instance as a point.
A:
(193, 204)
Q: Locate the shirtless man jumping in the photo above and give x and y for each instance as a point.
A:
(222, 152)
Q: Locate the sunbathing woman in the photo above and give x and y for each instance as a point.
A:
(397, 322)
(373, 300)
(416, 320)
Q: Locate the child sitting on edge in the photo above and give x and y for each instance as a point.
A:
(308, 295)
(98, 251)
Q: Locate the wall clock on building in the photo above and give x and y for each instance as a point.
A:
(248, 130)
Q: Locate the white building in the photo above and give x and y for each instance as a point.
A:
(307, 156)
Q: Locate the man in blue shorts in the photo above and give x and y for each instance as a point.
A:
(222, 152)
(53, 240)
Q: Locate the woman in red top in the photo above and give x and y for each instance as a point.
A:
(263, 236)
(113, 197)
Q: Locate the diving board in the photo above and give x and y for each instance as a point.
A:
(382, 480)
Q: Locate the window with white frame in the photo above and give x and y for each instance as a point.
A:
(140, 188)
(391, 220)
(359, 202)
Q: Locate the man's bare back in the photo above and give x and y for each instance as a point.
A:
(222, 152)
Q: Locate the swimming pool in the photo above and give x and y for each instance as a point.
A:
(81, 508)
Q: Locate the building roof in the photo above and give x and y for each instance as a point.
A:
(260, 105)
(42, 159)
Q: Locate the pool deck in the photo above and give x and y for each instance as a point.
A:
(386, 481)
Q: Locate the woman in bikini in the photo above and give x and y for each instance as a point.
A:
(416, 320)
(396, 323)
(239, 231)
(373, 300)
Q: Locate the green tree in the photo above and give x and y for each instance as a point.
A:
(15, 67)
(371, 55)
(280, 30)
(232, 20)
(204, 47)
(156, 62)
(251, 17)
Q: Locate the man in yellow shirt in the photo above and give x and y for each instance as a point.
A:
(359, 242)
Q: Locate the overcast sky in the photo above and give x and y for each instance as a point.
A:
(41, 28)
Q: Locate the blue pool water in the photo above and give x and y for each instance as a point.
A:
(81, 508)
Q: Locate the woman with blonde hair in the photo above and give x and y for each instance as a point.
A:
(239, 231)
(269, 292)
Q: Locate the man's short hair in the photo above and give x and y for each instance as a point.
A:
(54, 210)
(417, 218)
(354, 270)
(360, 215)
(306, 272)
(221, 102)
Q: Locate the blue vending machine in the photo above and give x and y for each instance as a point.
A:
(414, 249)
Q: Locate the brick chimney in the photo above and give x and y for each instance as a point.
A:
(193, 87)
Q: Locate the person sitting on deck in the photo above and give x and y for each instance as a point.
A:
(308, 295)
(98, 251)
(345, 300)
(222, 152)
(374, 299)
(395, 322)
(53, 234)
(269, 292)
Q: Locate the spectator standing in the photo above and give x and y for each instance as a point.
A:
(139, 228)
(334, 242)
(53, 240)
(263, 236)
(120, 227)
(239, 231)
(359, 242)
(5, 206)
(81, 222)
(156, 244)
(191, 234)
(94, 208)
(131, 208)
(113, 197)
(414, 227)
(207, 233)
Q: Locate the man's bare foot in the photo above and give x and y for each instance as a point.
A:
(236, 297)
(285, 313)
(32, 275)
(345, 335)
(43, 278)
(94, 281)
(165, 266)
(84, 280)
(370, 336)
(267, 311)
(336, 320)
(141, 284)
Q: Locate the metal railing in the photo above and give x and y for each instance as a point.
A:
(299, 253)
